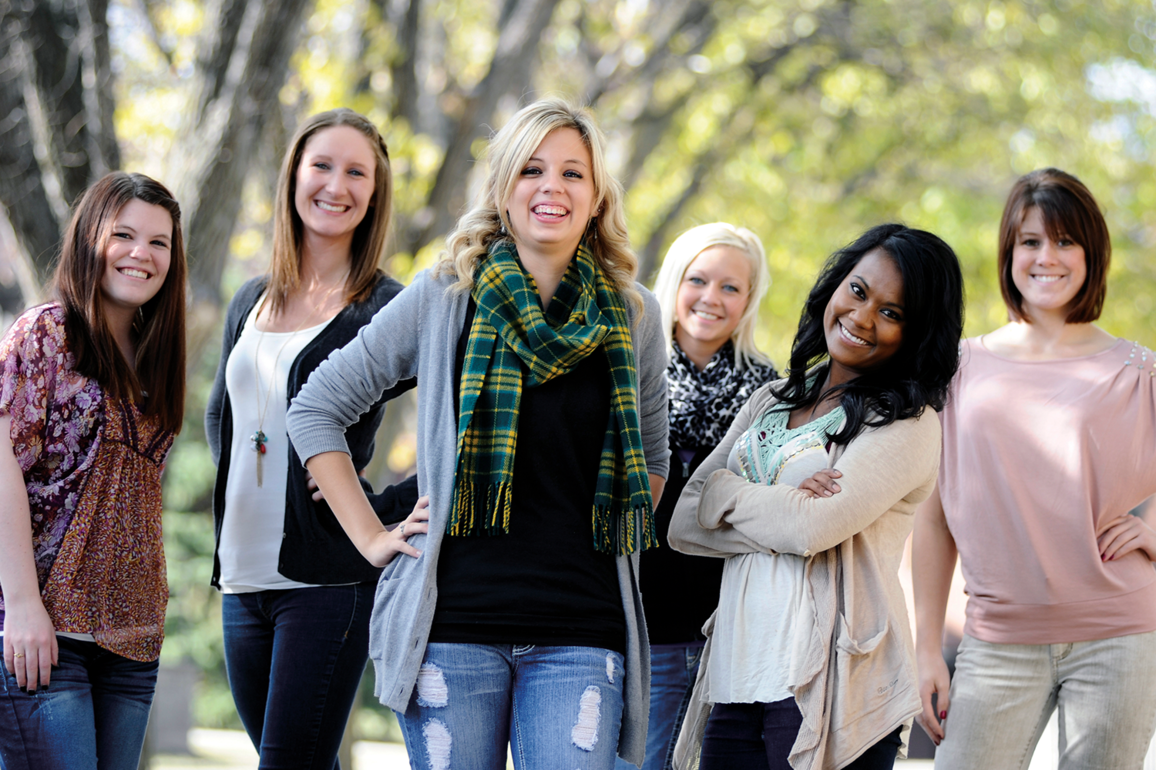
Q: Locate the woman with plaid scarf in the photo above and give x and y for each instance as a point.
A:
(514, 616)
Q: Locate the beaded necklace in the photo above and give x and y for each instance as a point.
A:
(258, 441)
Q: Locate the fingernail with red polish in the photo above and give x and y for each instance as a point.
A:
(942, 715)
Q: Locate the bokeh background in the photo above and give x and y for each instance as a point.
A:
(806, 121)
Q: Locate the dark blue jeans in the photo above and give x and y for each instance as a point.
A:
(759, 736)
(294, 660)
(673, 668)
(92, 715)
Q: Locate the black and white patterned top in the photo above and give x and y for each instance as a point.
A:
(703, 404)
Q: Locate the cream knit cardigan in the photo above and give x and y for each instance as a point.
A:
(853, 674)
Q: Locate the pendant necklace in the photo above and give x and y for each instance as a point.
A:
(258, 440)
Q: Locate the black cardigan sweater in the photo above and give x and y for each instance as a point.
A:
(314, 547)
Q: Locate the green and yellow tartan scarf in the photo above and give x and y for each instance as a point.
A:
(514, 344)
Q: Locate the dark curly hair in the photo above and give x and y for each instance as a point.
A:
(919, 373)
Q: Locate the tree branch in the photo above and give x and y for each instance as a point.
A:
(510, 72)
(22, 191)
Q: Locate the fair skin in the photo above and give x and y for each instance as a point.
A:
(336, 181)
(711, 300)
(1049, 275)
(551, 207)
(136, 262)
(549, 211)
(334, 190)
(137, 259)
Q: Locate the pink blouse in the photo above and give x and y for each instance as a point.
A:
(1036, 456)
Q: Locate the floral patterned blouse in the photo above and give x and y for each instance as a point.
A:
(92, 468)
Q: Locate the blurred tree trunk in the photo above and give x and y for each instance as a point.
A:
(242, 63)
(511, 70)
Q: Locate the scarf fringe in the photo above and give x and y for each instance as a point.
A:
(616, 532)
(487, 513)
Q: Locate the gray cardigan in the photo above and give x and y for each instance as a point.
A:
(416, 335)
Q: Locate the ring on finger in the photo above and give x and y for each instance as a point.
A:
(18, 655)
(402, 528)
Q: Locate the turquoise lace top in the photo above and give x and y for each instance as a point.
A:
(763, 450)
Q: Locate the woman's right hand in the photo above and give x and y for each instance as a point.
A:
(30, 649)
(389, 543)
(822, 484)
(934, 679)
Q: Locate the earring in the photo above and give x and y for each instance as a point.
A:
(592, 228)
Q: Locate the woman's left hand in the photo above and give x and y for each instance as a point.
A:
(822, 484)
(1125, 534)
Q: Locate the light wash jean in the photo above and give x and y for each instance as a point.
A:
(91, 716)
(673, 668)
(554, 706)
(1002, 696)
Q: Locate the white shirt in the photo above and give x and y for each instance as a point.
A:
(762, 594)
(254, 522)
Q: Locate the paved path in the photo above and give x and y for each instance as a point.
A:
(231, 750)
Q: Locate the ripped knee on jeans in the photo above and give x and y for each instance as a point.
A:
(585, 732)
(437, 744)
(432, 691)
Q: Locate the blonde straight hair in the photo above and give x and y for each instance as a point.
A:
(509, 151)
(685, 250)
(368, 245)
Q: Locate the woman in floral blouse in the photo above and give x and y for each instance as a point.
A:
(91, 395)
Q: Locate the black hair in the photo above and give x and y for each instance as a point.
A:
(920, 372)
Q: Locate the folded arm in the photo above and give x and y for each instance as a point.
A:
(880, 468)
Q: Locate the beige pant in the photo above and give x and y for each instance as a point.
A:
(1002, 696)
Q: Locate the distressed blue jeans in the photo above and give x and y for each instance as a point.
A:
(673, 668)
(294, 659)
(554, 706)
(92, 715)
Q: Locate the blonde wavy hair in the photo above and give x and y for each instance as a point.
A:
(685, 250)
(508, 152)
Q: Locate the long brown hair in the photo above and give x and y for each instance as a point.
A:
(369, 237)
(159, 326)
(1068, 209)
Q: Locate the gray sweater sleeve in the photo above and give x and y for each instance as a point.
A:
(352, 379)
(651, 361)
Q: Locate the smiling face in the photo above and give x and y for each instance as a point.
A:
(864, 319)
(1048, 273)
(136, 257)
(553, 199)
(711, 300)
(335, 183)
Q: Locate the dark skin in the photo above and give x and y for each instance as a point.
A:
(863, 324)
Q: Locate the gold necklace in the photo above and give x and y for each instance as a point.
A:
(258, 440)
